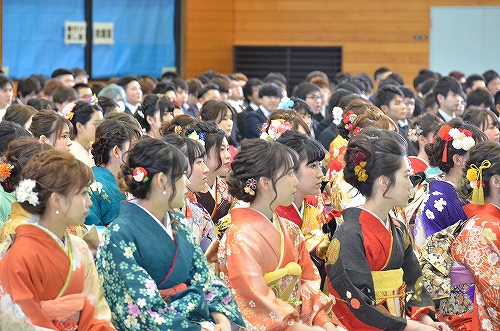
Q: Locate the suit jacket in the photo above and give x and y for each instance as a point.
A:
(253, 123)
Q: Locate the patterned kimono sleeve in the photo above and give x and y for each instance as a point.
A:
(351, 284)
(477, 247)
(418, 299)
(316, 306)
(134, 299)
(95, 314)
(242, 268)
(217, 295)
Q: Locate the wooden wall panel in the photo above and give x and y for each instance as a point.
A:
(373, 33)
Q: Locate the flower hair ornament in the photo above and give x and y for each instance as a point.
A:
(286, 104)
(93, 100)
(460, 139)
(414, 133)
(5, 170)
(139, 112)
(199, 137)
(67, 111)
(140, 175)
(475, 177)
(337, 114)
(25, 192)
(178, 129)
(359, 161)
(349, 118)
(251, 186)
(275, 129)
(357, 130)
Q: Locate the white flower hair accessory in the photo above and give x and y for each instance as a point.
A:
(461, 139)
(25, 192)
(414, 133)
(276, 128)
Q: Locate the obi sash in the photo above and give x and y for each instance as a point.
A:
(390, 291)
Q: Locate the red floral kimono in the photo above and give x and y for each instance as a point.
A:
(254, 249)
(49, 284)
(477, 247)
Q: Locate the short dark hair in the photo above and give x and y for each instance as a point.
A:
(26, 86)
(207, 88)
(445, 85)
(125, 80)
(60, 72)
(247, 89)
(490, 75)
(303, 89)
(270, 90)
(469, 81)
(386, 93)
(479, 97)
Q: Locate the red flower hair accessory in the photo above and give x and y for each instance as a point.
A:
(359, 161)
(6, 170)
(349, 118)
(140, 175)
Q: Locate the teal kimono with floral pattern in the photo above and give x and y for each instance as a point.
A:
(138, 262)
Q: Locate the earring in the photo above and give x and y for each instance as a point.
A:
(164, 192)
(57, 211)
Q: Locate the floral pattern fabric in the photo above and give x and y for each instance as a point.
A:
(440, 209)
(477, 247)
(105, 196)
(138, 261)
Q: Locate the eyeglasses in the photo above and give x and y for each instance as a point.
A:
(314, 97)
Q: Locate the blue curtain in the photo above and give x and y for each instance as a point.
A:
(33, 37)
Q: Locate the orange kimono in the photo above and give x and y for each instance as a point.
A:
(49, 284)
(253, 254)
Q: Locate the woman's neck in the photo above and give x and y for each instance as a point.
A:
(113, 168)
(423, 156)
(158, 209)
(84, 143)
(211, 177)
(299, 198)
(262, 205)
(56, 226)
(379, 208)
(452, 175)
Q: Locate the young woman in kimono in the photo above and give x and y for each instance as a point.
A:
(85, 117)
(477, 246)
(51, 128)
(197, 218)
(18, 154)
(263, 257)
(215, 198)
(48, 279)
(374, 275)
(155, 275)
(442, 207)
(307, 209)
(113, 139)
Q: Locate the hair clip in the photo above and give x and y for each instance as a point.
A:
(460, 139)
(178, 129)
(275, 129)
(140, 175)
(286, 104)
(199, 137)
(349, 118)
(67, 111)
(475, 176)
(6, 170)
(93, 100)
(25, 191)
(251, 186)
(359, 161)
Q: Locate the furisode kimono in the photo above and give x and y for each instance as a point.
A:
(105, 196)
(155, 282)
(269, 269)
(374, 275)
(50, 284)
(440, 209)
(477, 247)
(217, 203)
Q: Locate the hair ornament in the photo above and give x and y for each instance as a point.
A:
(357, 130)
(251, 186)
(414, 133)
(178, 129)
(286, 104)
(93, 100)
(6, 170)
(460, 139)
(67, 111)
(140, 175)
(199, 137)
(140, 113)
(475, 176)
(349, 118)
(359, 161)
(275, 129)
(25, 192)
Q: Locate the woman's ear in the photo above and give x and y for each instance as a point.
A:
(382, 182)
(459, 160)
(78, 127)
(150, 119)
(265, 183)
(495, 181)
(116, 152)
(43, 139)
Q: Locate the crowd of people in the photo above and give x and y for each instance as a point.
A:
(223, 202)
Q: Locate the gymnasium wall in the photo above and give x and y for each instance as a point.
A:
(372, 33)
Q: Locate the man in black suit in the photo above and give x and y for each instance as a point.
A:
(448, 92)
(270, 96)
(133, 93)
